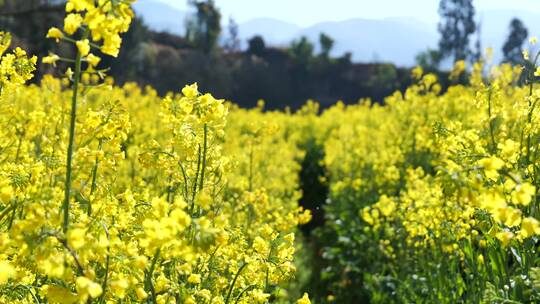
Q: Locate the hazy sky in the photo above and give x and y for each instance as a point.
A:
(308, 12)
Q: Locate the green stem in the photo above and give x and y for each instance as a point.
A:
(150, 272)
(94, 178)
(6, 211)
(184, 175)
(234, 282)
(205, 148)
(244, 291)
(107, 263)
(31, 293)
(194, 190)
(494, 145)
(67, 193)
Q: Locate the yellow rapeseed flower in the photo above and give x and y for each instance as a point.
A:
(51, 59)
(55, 33)
(529, 227)
(72, 22)
(304, 299)
(87, 287)
(7, 271)
(83, 46)
(491, 165)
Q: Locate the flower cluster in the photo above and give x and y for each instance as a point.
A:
(162, 207)
(92, 24)
(440, 190)
(15, 68)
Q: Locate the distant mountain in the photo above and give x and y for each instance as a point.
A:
(396, 40)
(161, 17)
(274, 31)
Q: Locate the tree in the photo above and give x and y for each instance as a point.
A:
(302, 51)
(256, 45)
(513, 47)
(456, 26)
(429, 59)
(383, 80)
(327, 43)
(233, 42)
(18, 7)
(204, 27)
(346, 59)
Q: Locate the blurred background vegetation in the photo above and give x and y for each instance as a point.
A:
(211, 54)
